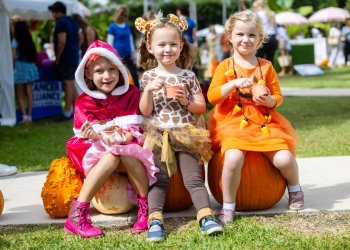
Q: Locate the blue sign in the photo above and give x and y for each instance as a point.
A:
(47, 96)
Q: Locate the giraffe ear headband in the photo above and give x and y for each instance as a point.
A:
(146, 26)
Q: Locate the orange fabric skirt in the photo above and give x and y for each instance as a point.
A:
(225, 131)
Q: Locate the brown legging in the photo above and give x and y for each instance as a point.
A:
(191, 171)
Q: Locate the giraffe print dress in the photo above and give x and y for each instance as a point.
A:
(173, 124)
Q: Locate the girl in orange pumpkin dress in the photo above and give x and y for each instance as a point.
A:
(246, 92)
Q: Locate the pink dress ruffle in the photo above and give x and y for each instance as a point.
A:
(99, 148)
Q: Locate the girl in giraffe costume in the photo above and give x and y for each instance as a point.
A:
(171, 98)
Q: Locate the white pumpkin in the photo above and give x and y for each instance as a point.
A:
(112, 198)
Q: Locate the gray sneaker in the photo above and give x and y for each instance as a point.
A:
(210, 226)
(296, 200)
(226, 215)
(155, 231)
(7, 170)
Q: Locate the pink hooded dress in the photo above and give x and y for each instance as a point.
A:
(120, 108)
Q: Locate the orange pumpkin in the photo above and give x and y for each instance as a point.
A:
(261, 187)
(112, 198)
(1, 202)
(62, 183)
(177, 197)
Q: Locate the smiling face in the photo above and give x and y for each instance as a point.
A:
(245, 38)
(104, 74)
(165, 44)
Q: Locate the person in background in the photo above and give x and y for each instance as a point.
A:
(345, 32)
(120, 37)
(87, 33)
(66, 46)
(190, 33)
(225, 45)
(335, 45)
(267, 16)
(215, 54)
(25, 69)
(284, 47)
(315, 32)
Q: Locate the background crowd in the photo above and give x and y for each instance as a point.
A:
(71, 35)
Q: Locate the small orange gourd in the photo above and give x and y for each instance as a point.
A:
(261, 187)
(1, 202)
(62, 183)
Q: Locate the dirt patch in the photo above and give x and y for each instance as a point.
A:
(320, 223)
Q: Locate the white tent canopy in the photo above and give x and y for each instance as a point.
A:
(36, 9)
(26, 9)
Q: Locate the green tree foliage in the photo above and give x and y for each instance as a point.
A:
(347, 5)
(208, 11)
(316, 4)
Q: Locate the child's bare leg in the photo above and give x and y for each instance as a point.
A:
(137, 174)
(20, 95)
(231, 177)
(231, 174)
(97, 176)
(286, 164)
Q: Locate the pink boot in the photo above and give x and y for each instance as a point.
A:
(79, 221)
(141, 223)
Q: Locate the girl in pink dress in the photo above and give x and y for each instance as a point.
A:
(107, 133)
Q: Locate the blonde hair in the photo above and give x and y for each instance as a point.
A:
(148, 61)
(246, 16)
(263, 5)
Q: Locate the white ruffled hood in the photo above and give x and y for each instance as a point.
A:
(107, 51)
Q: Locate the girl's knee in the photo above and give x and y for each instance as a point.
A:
(233, 160)
(284, 159)
(112, 158)
(110, 161)
(130, 161)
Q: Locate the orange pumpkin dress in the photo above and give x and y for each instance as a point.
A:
(224, 124)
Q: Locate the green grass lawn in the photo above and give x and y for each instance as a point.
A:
(288, 231)
(332, 78)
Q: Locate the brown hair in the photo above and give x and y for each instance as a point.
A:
(148, 61)
(119, 13)
(90, 83)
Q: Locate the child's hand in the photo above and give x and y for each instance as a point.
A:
(181, 95)
(88, 132)
(111, 139)
(242, 82)
(155, 85)
(113, 136)
(265, 100)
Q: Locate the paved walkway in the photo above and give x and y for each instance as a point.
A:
(316, 92)
(325, 181)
